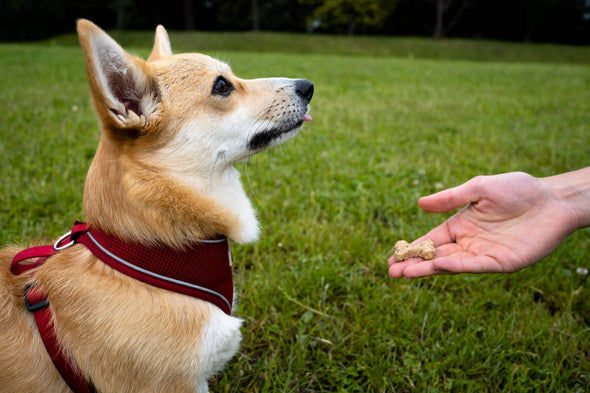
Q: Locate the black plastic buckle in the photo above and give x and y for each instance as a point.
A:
(34, 307)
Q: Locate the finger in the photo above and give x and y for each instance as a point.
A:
(396, 269)
(452, 265)
(391, 261)
(479, 264)
(416, 269)
(453, 198)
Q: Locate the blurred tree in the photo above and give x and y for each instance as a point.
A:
(534, 13)
(276, 15)
(447, 8)
(189, 15)
(121, 7)
(348, 15)
(255, 16)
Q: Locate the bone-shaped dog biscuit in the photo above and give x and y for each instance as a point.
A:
(404, 251)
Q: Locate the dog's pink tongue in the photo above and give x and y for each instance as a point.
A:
(307, 118)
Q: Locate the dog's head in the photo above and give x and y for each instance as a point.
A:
(172, 128)
(190, 102)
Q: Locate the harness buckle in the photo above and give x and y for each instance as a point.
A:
(39, 302)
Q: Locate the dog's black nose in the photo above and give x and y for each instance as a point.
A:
(304, 89)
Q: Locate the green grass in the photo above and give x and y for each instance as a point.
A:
(321, 314)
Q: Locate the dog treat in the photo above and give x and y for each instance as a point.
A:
(404, 251)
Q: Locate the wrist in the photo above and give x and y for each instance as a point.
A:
(573, 190)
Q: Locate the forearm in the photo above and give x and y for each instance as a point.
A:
(573, 189)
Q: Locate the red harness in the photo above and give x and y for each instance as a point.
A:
(202, 270)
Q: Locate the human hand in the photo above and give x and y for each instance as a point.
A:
(510, 221)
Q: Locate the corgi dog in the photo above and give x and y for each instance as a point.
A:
(163, 179)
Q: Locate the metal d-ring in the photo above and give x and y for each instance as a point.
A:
(57, 247)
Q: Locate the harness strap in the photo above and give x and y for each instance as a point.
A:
(37, 303)
(42, 252)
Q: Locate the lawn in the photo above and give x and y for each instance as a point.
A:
(394, 119)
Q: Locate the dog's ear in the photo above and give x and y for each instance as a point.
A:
(161, 44)
(124, 94)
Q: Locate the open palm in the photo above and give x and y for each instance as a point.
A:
(509, 222)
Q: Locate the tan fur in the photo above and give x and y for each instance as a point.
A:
(162, 174)
(169, 212)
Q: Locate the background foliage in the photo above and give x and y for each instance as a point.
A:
(564, 21)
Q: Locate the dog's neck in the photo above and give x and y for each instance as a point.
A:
(135, 201)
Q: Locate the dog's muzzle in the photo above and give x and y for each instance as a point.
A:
(290, 123)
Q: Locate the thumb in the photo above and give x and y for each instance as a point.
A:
(452, 198)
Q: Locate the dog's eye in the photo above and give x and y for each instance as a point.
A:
(222, 86)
